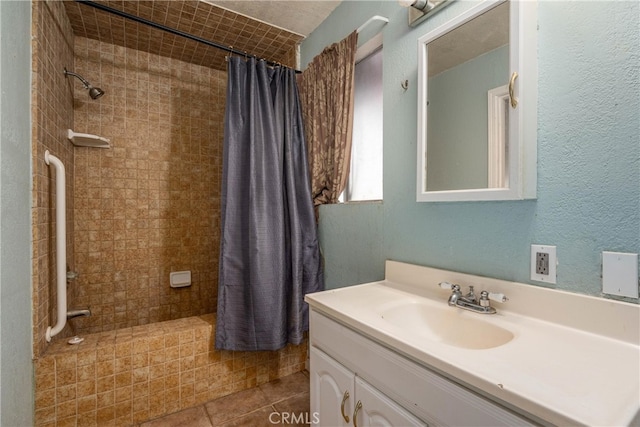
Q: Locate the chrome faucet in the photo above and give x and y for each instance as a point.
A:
(470, 301)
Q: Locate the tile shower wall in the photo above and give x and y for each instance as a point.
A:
(52, 114)
(149, 205)
(125, 377)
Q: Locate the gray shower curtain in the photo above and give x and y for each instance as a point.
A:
(269, 253)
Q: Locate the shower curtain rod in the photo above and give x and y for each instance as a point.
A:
(177, 32)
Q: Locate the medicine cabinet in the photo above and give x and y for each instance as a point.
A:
(477, 105)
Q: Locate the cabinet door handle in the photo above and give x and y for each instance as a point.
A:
(512, 98)
(345, 396)
(355, 413)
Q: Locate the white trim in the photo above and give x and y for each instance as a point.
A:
(497, 146)
(369, 47)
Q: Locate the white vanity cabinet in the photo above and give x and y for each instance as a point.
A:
(332, 390)
(340, 398)
(348, 370)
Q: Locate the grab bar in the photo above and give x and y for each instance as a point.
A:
(61, 245)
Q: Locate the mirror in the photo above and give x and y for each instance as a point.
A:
(477, 103)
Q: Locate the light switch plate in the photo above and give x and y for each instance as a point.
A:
(620, 274)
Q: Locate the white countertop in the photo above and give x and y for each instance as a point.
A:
(563, 373)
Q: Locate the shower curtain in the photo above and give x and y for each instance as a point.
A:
(269, 253)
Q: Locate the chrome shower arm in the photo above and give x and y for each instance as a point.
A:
(86, 84)
(94, 92)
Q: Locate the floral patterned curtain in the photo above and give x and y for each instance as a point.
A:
(326, 96)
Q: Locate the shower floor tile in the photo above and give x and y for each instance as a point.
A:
(282, 402)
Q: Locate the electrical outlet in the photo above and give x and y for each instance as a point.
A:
(543, 263)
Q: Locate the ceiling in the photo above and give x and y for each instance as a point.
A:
(476, 37)
(299, 16)
(265, 28)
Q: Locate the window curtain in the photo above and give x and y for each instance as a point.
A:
(326, 95)
(269, 252)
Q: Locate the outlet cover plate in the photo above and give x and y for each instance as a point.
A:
(620, 274)
(550, 277)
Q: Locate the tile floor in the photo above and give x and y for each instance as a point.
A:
(276, 403)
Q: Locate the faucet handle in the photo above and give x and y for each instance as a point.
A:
(447, 285)
(497, 297)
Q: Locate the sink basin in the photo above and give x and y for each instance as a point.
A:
(446, 324)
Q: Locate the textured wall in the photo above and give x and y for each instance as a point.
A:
(150, 204)
(16, 371)
(52, 115)
(588, 157)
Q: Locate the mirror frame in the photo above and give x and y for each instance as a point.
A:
(523, 119)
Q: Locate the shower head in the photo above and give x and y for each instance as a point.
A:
(94, 92)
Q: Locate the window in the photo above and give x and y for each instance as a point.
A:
(365, 176)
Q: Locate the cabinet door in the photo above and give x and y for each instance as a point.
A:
(375, 409)
(332, 390)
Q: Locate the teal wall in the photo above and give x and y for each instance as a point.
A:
(16, 369)
(588, 156)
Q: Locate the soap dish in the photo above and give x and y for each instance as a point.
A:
(87, 140)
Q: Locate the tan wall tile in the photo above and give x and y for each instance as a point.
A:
(105, 368)
(86, 405)
(67, 422)
(156, 343)
(123, 412)
(106, 384)
(172, 381)
(187, 377)
(141, 375)
(65, 393)
(187, 395)
(86, 388)
(45, 381)
(156, 371)
(172, 354)
(65, 362)
(106, 415)
(86, 358)
(66, 409)
(106, 399)
(45, 398)
(123, 379)
(172, 400)
(156, 404)
(123, 394)
(88, 419)
(123, 364)
(45, 416)
(141, 389)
